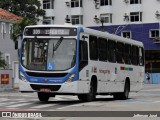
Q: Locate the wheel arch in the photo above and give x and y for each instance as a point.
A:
(95, 81)
(127, 81)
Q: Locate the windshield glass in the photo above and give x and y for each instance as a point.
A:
(49, 54)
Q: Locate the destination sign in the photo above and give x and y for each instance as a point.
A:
(50, 31)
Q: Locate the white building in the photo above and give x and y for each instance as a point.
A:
(112, 11)
(136, 19)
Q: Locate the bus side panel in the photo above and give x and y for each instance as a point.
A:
(120, 80)
(84, 80)
(107, 77)
(137, 79)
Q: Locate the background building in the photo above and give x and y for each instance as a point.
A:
(7, 47)
(135, 19)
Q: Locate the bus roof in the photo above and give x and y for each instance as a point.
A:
(95, 33)
(112, 36)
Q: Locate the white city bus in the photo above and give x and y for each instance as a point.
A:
(73, 60)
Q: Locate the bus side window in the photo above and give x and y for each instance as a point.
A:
(135, 55)
(141, 56)
(120, 52)
(112, 51)
(83, 54)
(127, 54)
(93, 47)
(102, 49)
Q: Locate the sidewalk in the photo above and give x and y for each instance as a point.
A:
(8, 90)
(150, 86)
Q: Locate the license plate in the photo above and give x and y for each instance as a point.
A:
(45, 90)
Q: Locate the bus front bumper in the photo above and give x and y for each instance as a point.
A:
(75, 87)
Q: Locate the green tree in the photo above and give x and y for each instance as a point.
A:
(23, 8)
(2, 61)
(18, 27)
(28, 9)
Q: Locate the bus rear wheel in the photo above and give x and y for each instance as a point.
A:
(124, 95)
(91, 95)
(43, 97)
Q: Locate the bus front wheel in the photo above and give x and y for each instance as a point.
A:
(43, 97)
(91, 95)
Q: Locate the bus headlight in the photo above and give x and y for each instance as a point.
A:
(22, 77)
(70, 79)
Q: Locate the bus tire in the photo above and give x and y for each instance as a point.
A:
(91, 95)
(124, 95)
(43, 97)
(81, 97)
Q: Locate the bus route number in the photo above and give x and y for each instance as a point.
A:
(36, 32)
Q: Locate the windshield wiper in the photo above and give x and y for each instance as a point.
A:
(58, 44)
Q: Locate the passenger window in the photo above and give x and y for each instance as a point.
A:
(135, 55)
(83, 54)
(112, 51)
(120, 52)
(93, 48)
(127, 54)
(102, 51)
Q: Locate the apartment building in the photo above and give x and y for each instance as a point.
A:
(135, 19)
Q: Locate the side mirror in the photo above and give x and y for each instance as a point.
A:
(16, 45)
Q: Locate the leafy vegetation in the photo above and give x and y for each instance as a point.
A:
(28, 9)
(2, 61)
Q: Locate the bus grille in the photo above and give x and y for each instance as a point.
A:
(34, 74)
(51, 87)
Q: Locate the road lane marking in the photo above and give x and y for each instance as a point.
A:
(67, 98)
(156, 101)
(7, 103)
(58, 98)
(60, 108)
(75, 105)
(151, 90)
(43, 106)
(3, 99)
(82, 104)
(18, 105)
(137, 101)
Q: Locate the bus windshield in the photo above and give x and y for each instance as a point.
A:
(48, 54)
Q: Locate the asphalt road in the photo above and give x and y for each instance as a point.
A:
(148, 100)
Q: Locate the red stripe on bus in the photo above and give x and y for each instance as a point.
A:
(122, 68)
